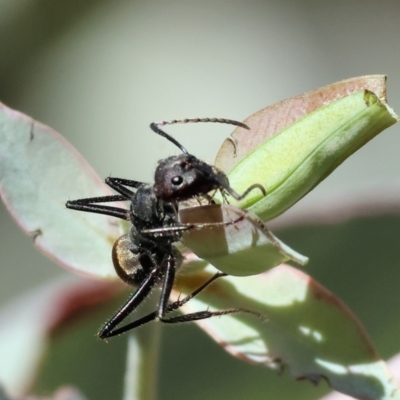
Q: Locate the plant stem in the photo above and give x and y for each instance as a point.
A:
(141, 376)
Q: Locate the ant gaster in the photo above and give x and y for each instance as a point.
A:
(146, 256)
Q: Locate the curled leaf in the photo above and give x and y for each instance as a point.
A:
(275, 118)
(289, 164)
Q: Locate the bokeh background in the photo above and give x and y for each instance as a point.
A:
(99, 72)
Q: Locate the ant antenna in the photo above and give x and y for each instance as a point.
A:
(155, 127)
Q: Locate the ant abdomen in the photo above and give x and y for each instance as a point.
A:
(126, 260)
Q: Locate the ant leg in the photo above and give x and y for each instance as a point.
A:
(102, 199)
(172, 307)
(124, 182)
(168, 230)
(275, 242)
(199, 315)
(169, 278)
(89, 205)
(196, 316)
(179, 303)
(207, 197)
(238, 196)
(118, 184)
(141, 293)
(134, 300)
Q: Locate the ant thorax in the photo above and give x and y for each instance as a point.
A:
(146, 208)
(148, 211)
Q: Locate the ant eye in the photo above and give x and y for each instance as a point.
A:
(177, 180)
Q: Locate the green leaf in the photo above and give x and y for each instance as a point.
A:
(303, 326)
(244, 247)
(39, 171)
(275, 118)
(28, 323)
(292, 162)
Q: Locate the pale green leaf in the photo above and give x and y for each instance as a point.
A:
(244, 247)
(275, 118)
(290, 163)
(303, 326)
(26, 324)
(39, 172)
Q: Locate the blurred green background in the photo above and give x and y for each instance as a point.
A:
(99, 72)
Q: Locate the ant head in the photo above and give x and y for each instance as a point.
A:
(182, 177)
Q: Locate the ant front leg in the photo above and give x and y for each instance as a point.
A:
(239, 197)
(90, 204)
(168, 230)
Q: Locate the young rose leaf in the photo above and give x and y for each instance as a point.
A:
(244, 247)
(39, 171)
(301, 325)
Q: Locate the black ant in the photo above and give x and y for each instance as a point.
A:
(146, 256)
